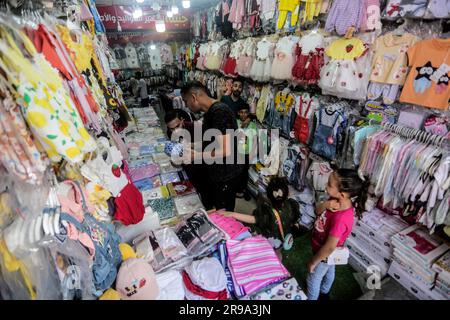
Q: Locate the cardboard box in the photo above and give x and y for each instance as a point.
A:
(383, 251)
(368, 258)
(356, 263)
(417, 289)
(381, 237)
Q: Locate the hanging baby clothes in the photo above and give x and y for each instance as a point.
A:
(427, 83)
(345, 14)
(284, 101)
(262, 64)
(46, 104)
(439, 9)
(311, 10)
(285, 6)
(265, 99)
(283, 61)
(50, 44)
(327, 131)
(237, 13)
(142, 53)
(389, 66)
(132, 57)
(310, 59)
(121, 56)
(372, 16)
(166, 54)
(344, 75)
(229, 67)
(155, 58)
(203, 49)
(245, 60)
(302, 123)
(215, 55)
(267, 9)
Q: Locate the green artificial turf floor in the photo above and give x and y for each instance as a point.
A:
(344, 287)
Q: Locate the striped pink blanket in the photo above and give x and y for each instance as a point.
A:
(254, 263)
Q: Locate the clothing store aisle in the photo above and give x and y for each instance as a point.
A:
(344, 286)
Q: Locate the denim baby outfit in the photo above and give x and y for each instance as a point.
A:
(326, 136)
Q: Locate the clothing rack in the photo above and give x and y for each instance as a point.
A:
(418, 135)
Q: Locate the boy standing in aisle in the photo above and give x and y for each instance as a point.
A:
(223, 169)
(247, 132)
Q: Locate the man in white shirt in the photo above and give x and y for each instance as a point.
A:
(143, 91)
(134, 87)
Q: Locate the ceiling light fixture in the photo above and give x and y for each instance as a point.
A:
(152, 47)
(174, 9)
(137, 13)
(169, 14)
(140, 1)
(160, 26)
(186, 4)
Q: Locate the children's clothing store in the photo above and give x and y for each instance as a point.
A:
(225, 150)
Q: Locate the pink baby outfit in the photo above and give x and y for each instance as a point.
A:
(229, 225)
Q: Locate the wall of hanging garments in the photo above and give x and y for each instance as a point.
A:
(148, 55)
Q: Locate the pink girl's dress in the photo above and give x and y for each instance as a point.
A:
(283, 61)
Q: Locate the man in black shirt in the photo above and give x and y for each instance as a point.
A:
(221, 161)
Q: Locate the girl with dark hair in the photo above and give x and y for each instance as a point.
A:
(347, 197)
(274, 217)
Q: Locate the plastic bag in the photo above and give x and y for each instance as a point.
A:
(171, 246)
(43, 274)
(74, 268)
(188, 204)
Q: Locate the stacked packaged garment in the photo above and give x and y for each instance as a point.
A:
(415, 250)
(442, 267)
(167, 194)
(369, 242)
(197, 233)
(162, 249)
(173, 248)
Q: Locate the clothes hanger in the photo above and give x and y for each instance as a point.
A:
(401, 29)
